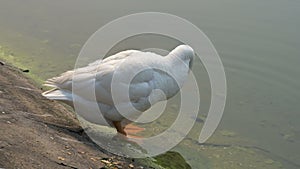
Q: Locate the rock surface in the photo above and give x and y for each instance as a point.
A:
(40, 133)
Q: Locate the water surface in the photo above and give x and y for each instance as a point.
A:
(258, 42)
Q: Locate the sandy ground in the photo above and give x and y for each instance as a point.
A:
(40, 133)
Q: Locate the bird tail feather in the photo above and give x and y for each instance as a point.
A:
(57, 94)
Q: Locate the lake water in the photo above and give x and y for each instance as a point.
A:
(258, 42)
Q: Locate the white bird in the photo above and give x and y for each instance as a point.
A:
(164, 73)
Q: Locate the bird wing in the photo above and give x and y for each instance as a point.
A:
(102, 67)
(101, 72)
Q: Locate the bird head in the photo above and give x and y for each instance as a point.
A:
(185, 53)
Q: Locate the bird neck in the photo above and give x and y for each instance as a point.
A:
(178, 68)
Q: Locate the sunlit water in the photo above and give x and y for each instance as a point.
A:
(258, 42)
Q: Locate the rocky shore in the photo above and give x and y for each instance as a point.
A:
(40, 133)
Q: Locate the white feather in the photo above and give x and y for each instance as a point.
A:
(124, 64)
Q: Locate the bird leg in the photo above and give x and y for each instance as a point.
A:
(132, 129)
(128, 129)
(119, 127)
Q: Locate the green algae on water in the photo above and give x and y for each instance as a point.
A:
(10, 57)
